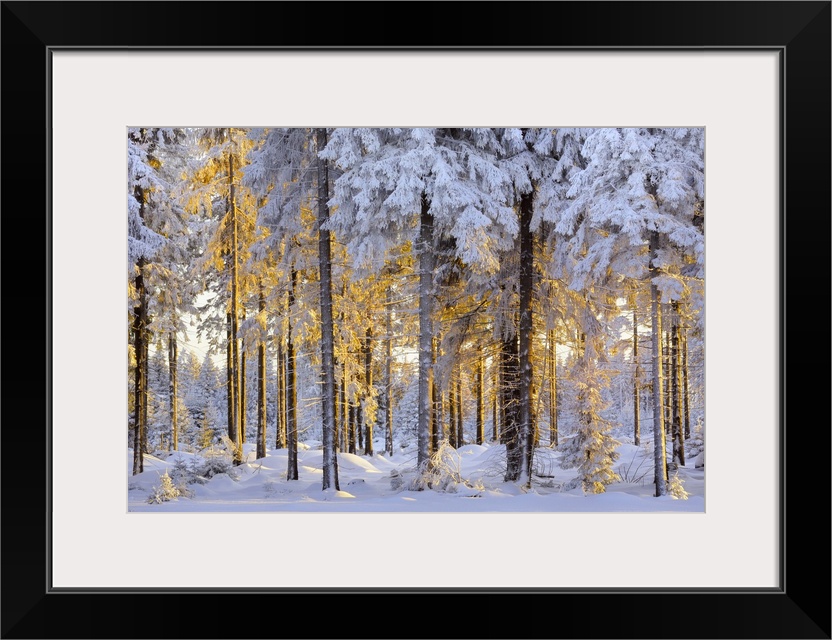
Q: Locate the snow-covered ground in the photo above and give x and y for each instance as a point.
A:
(472, 482)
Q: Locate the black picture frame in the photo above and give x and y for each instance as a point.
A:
(799, 608)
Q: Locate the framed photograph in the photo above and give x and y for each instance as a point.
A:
(754, 77)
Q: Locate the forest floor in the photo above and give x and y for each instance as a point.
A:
(470, 480)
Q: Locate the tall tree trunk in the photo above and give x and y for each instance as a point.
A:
(145, 384)
(436, 434)
(452, 429)
(426, 266)
(676, 389)
(525, 433)
(351, 427)
(280, 401)
(534, 436)
(344, 409)
(460, 436)
(659, 446)
(261, 381)
(291, 390)
(480, 385)
(368, 380)
(388, 376)
(235, 346)
(636, 382)
(686, 383)
(668, 413)
(553, 390)
(511, 406)
(330, 458)
(173, 356)
(338, 425)
(495, 390)
(139, 340)
(139, 391)
(243, 398)
(359, 421)
(345, 425)
(229, 378)
(434, 403)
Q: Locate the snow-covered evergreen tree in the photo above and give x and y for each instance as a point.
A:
(634, 209)
(291, 178)
(591, 449)
(504, 267)
(188, 373)
(205, 403)
(215, 190)
(158, 424)
(153, 219)
(422, 185)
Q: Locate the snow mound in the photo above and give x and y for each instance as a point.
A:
(352, 462)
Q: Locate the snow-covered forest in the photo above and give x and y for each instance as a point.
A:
(395, 319)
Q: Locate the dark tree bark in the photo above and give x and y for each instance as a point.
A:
(553, 390)
(344, 410)
(495, 391)
(173, 356)
(338, 425)
(480, 384)
(243, 399)
(145, 385)
(229, 378)
(668, 415)
(535, 432)
(344, 417)
(351, 427)
(236, 438)
(426, 266)
(139, 392)
(139, 348)
(436, 401)
(359, 423)
(368, 381)
(432, 420)
(330, 458)
(291, 390)
(452, 429)
(636, 382)
(659, 443)
(686, 384)
(388, 376)
(261, 382)
(525, 431)
(510, 386)
(280, 400)
(676, 390)
(460, 436)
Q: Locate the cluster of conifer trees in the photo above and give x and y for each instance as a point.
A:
(513, 273)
